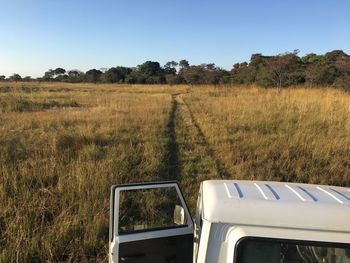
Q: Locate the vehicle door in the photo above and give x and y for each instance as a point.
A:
(150, 222)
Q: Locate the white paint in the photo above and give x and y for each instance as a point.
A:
(261, 191)
(294, 207)
(330, 194)
(296, 193)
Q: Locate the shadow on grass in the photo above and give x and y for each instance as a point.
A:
(219, 166)
(169, 168)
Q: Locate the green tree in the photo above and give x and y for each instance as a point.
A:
(75, 76)
(240, 73)
(342, 66)
(130, 79)
(117, 74)
(313, 58)
(170, 67)
(15, 77)
(59, 71)
(150, 72)
(62, 78)
(210, 66)
(335, 55)
(329, 69)
(184, 64)
(285, 70)
(174, 79)
(194, 75)
(27, 78)
(150, 68)
(93, 75)
(48, 75)
(315, 68)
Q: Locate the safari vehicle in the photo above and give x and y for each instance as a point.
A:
(235, 221)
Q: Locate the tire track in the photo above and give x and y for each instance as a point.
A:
(170, 161)
(221, 170)
(188, 157)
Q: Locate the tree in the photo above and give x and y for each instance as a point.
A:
(62, 78)
(240, 73)
(210, 66)
(258, 71)
(130, 79)
(194, 75)
(285, 70)
(59, 71)
(313, 58)
(48, 75)
(342, 66)
(59, 74)
(170, 67)
(15, 77)
(184, 64)
(335, 55)
(173, 79)
(318, 74)
(151, 73)
(75, 75)
(150, 68)
(27, 78)
(279, 71)
(117, 74)
(217, 76)
(55, 74)
(326, 70)
(93, 75)
(2, 77)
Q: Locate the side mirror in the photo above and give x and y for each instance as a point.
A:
(179, 215)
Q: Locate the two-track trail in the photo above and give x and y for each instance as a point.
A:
(190, 158)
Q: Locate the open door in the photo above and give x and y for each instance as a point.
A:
(150, 222)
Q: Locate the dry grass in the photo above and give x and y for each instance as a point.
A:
(63, 145)
(298, 134)
(57, 166)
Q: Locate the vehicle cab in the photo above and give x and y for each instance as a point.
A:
(235, 221)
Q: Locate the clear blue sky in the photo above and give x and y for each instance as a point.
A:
(38, 35)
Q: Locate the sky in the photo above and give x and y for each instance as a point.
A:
(37, 35)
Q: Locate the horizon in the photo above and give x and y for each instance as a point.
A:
(40, 36)
(103, 69)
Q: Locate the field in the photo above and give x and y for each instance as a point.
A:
(63, 145)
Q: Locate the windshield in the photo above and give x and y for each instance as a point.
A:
(260, 250)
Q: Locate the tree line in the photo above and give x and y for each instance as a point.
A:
(282, 70)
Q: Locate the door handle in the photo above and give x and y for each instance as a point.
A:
(133, 256)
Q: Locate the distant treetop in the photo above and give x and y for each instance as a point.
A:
(281, 70)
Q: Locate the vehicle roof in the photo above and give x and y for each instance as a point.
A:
(277, 204)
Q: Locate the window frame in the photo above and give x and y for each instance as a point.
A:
(114, 207)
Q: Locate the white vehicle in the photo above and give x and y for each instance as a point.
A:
(235, 222)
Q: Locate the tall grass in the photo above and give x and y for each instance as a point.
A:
(57, 166)
(63, 145)
(295, 135)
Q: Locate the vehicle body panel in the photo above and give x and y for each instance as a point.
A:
(230, 211)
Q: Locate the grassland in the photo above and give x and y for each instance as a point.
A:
(63, 145)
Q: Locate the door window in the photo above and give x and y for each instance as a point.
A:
(149, 223)
(150, 209)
